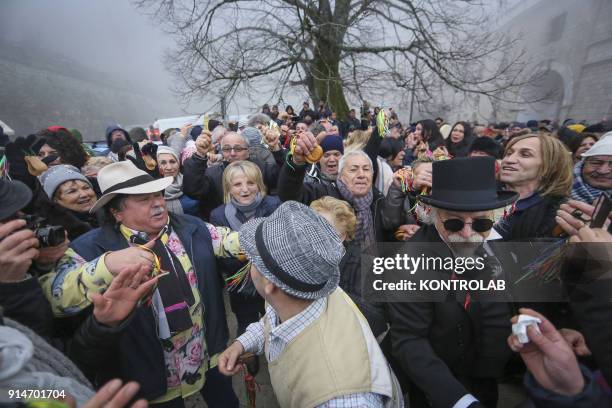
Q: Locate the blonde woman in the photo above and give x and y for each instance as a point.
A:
(244, 194)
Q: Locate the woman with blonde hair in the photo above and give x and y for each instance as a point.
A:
(357, 140)
(539, 168)
(244, 195)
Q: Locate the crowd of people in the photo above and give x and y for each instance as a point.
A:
(114, 266)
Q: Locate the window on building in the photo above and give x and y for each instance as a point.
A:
(556, 28)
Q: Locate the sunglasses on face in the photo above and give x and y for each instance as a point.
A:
(478, 224)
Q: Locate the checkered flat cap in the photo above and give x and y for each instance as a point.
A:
(296, 249)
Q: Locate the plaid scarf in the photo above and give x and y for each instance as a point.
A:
(581, 191)
(365, 224)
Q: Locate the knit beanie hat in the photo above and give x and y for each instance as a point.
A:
(167, 150)
(486, 145)
(195, 132)
(332, 142)
(58, 175)
(252, 135)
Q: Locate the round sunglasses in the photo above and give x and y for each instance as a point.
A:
(478, 224)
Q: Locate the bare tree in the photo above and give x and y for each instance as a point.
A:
(338, 48)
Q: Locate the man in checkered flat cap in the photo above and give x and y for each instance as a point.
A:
(319, 346)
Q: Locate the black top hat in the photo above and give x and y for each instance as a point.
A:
(466, 184)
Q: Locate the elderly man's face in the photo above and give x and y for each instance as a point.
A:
(143, 212)
(448, 223)
(597, 171)
(357, 175)
(234, 148)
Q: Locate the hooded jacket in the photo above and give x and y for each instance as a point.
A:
(111, 129)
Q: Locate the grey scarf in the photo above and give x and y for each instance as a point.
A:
(172, 193)
(365, 225)
(232, 208)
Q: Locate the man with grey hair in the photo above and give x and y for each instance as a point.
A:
(457, 343)
(354, 185)
(259, 119)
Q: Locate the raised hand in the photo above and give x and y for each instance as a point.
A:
(203, 144)
(123, 294)
(305, 144)
(573, 215)
(117, 260)
(576, 341)
(18, 248)
(422, 176)
(548, 357)
(116, 395)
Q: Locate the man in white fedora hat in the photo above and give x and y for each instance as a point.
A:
(169, 344)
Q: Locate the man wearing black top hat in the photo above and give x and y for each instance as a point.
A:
(454, 349)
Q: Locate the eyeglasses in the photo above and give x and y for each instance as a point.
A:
(237, 149)
(598, 163)
(478, 225)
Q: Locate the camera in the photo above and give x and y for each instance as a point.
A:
(47, 235)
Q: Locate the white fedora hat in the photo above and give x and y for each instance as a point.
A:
(125, 178)
(602, 148)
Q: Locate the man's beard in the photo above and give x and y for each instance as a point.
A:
(465, 247)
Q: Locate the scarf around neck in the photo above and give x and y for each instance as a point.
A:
(581, 191)
(174, 190)
(248, 210)
(365, 224)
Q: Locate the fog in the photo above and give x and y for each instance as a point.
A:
(107, 36)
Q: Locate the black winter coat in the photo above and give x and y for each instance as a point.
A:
(238, 301)
(440, 345)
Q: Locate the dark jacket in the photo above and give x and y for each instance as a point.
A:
(533, 217)
(26, 303)
(205, 183)
(441, 345)
(314, 175)
(460, 149)
(397, 208)
(592, 396)
(238, 301)
(351, 281)
(137, 354)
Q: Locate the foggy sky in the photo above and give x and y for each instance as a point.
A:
(110, 36)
